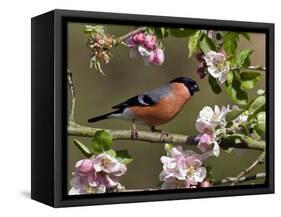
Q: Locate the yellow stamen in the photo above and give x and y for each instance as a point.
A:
(190, 170)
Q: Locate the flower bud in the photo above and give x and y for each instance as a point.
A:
(150, 42)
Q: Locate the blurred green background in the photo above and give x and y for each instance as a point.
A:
(126, 77)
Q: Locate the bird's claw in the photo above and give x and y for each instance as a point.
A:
(163, 133)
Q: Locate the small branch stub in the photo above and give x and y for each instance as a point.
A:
(73, 96)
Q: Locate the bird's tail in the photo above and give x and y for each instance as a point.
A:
(105, 116)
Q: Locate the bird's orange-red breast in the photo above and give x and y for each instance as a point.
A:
(166, 109)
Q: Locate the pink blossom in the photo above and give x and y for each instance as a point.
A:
(205, 140)
(155, 57)
(208, 119)
(139, 38)
(205, 184)
(217, 65)
(207, 124)
(150, 41)
(108, 164)
(130, 42)
(145, 45)
(84, 166)
(158, 56)
(182, 169)
(96, 175)
(208, 144)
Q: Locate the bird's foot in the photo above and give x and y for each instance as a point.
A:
(162, 132)
(134, 132)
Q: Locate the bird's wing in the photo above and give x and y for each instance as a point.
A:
(149, 98)
(139, 100)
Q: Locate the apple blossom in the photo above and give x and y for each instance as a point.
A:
(208, 119)
(207, 124)
(145, 45)
(217, 65)
(182, 169)
(96, 175)
(243, 117)
(150, 42)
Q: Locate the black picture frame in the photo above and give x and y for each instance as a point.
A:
(49, 102)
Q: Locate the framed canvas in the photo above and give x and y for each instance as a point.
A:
(131, 108)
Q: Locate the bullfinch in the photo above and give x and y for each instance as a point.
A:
(154, 107)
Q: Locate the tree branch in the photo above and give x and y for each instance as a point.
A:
(73, 96)
(250, 168)
(250, 68)
(241, 179)
(129, 34)
(153, 137)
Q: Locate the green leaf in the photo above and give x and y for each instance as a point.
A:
(161, 32)
(246, 35)
(230, 116)
(249, 79)
(193, 42)
(94, 29)
(243, 58)
(181, 32)
(236, 93)
(229, 77)
(257, 104)
(111, 152)
(82, 148)
(206, 44)
(230, 42)
(261, 125)
(214, 85)
(101, 142)
(123, 156)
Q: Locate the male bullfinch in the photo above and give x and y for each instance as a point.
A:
(155, 107)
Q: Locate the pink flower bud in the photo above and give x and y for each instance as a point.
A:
(200, 56)
(205, 184)
(201, 72)
(150, 42)
(139, 38)
(157, 57)
(205, 141)
(84, 166)
(130, 42)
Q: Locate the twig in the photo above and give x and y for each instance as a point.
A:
(126, 36)
(261, 68)
(73, 96)
(250, 168)
(241, 179)
(250, 68)
(154, 137)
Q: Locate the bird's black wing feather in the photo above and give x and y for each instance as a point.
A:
(140, 100)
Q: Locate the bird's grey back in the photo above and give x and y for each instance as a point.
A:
(158, 93)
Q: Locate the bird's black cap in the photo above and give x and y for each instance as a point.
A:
(191, 85)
